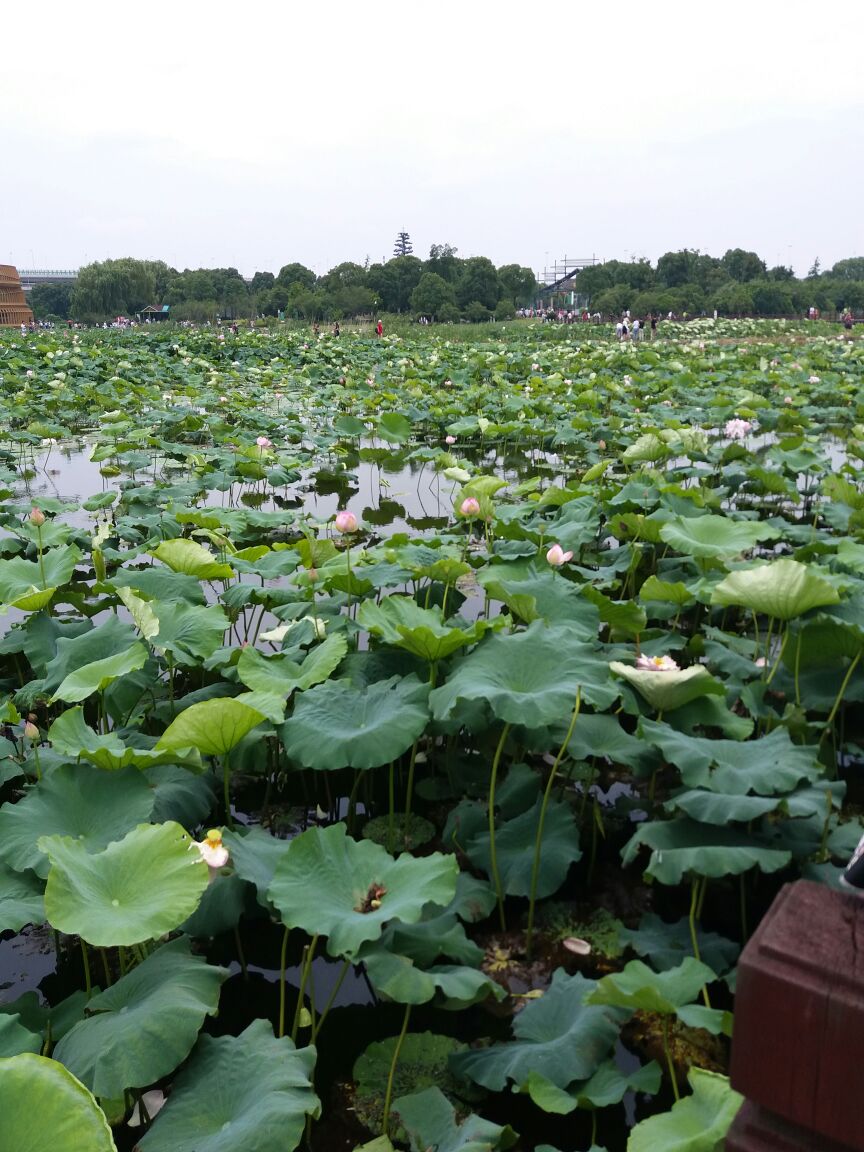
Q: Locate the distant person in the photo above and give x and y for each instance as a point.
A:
(619, 330)
(23, 329)
(848, 320)
(379, 329)
(637, 329)
(316, 331)
(336, 328)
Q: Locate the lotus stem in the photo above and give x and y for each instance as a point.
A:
(697, 891)
(282, 957)
(493, 857)
(105, 967)
(829, 722)
(226, 781)
(779, 656)
(41, 560)
(669, 1063)
(388, 1095)
(304, 976)
(409, 792)
(538, 841)
(317, 1025)
(240, 954)
(85, 957)
(391, 818)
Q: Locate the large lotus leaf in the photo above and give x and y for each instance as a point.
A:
(137, 889)
(191, 558)
(715, 535)
(29, 586)
(43, 1106)
(78, 801)
(666, 691)
(529, 678)
(180, 795)
(142, 1027)
(398, 978)
(281, 674)
(666, 945)
(96, 677)
(558, 1036)
(250, 1092)
(720, 807)
(337, 725)
(431, 938)
(214, 727)
(608, 1086)
(640, 989)
(111, 638)
(665, 592)
(514, 849)
(21, 900)
(783, 589)
(771, 765)
(155, 583)
(399, 620)
(682, 847)
(331, 885)
(824, 641)
(15, 1038)
(72, 736)
(622, 616)
(394, 428)
(188, 633)
(146, 620)
(543, 595)
(698, 1123)
(600, 735)
(431, 1122)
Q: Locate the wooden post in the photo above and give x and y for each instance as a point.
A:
(798, 1044)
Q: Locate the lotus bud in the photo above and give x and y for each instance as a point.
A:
(577, 946)
(470, 506)
(556, 556)
(37, 517)
(601, 444)
(346, 522)
(31, 732)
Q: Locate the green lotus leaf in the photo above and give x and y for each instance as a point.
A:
(514, 848)
(349, 426)
(400, 621)
(279, 673)
(541, 595)
(136, 889)
(77, 801)
(599, 735)
(327, 885)
(191, 558)
(648, 448)
(21, 900)
(142, 1027)
(666, 945)
(72, 736)
(721, 808)
(430, 1121)
(146, 620)
(398, 978)
(682, 847)
(44, 1106)
(768, 766)
(640, 989)
(698, 1123)
(623, 616)
(394, 428)
(665, 592)
(783, 589)
(255, 854)
(188, 633)
(111, 638)
(666, 691)
(250, 1091)
(337, 725)
(214, 727)
(96, 677)
(529, 678)
(716, 536)
(15, 1038)
(27, 586)
(608, 1086)
(559, 1036)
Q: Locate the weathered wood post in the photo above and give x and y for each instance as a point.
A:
(798, 1045)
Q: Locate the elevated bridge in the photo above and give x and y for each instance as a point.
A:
(558, 277)
(30, 277)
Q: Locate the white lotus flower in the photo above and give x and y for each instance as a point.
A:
(737, 429)
(656, 664)
(213, 851)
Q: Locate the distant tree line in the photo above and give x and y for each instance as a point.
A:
(736, 284)
(445, 287)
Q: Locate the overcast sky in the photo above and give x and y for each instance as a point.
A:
(257, 134)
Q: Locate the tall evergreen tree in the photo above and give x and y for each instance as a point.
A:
(403, 246)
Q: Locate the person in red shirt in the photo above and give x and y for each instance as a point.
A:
(379, 329)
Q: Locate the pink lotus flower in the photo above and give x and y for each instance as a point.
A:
(37, 517)
(556, 556)
(263, 442)
(535, 367)
(787, 399)
(213, 851)
(656, 664)
(470, 506)
(813, 379)
(223, 399)
(737, 429)
(449, 439)
(346, 522)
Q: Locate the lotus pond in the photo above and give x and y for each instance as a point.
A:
(402, 737)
